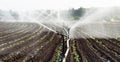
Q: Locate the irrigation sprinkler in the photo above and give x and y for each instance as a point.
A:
(63, 43)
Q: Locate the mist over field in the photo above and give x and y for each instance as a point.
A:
(59, 31)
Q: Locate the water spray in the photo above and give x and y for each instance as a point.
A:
(60, 27)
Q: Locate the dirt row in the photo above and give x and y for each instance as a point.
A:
(94, 50)
(31, 43)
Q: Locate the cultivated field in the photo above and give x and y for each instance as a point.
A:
(28, 42)
(31, 42)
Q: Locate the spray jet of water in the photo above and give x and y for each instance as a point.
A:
(96, 26)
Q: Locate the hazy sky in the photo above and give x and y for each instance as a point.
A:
(23, 5)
